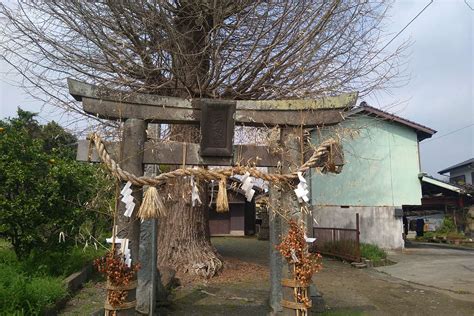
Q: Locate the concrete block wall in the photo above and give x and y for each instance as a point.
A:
(378, 224)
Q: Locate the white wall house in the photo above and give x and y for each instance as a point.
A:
(461, 173)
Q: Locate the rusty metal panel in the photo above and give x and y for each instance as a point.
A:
(343, 243)
(217, 128)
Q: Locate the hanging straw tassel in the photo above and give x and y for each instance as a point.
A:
(152, 205)
(222, 203)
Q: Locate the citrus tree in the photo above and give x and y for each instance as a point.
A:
(43, 191)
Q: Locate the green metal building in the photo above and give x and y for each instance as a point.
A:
(380, 175)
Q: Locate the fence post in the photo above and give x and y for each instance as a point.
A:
(357, 237)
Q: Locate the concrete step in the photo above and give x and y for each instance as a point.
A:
(359, 265)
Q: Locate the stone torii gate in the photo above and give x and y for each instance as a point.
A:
(216, 117)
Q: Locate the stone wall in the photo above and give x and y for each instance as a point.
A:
(378, 224)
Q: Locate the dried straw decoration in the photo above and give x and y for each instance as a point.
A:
(303, 265)
(152, 205)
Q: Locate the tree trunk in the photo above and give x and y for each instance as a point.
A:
(183, 236)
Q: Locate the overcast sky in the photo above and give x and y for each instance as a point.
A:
(439, 94)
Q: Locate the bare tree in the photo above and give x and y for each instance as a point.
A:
(200, 48)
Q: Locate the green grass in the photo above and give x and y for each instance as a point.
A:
(30, 286)
(21, 294)
(59, 263)
(372, 252)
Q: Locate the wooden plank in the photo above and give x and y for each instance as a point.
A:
(172, 154)
(79, 90)
(169, 115)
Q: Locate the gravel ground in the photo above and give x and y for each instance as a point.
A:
(243, 289)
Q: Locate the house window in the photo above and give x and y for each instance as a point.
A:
(458, 179)
(472, 178)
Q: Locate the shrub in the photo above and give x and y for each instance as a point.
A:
(427, 236)
(447, 226)
(372, 252)
(44, 191)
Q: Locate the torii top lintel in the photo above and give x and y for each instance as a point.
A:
(113, 104)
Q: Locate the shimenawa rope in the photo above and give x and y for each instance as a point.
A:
(205, 174)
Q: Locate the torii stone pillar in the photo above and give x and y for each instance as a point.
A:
(284, 201)
(134, 137)
(276, 261)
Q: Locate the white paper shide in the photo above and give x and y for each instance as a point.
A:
(124, 249)
(127, 199)
(247, 186)
(195, 199)
(301, 190)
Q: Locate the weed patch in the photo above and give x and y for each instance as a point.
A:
(30, 286)
(372, 252)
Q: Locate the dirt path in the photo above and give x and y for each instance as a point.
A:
(243, 289)
(87, 301)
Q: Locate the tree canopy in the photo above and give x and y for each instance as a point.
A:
(219, 49)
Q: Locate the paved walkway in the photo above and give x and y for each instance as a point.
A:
(441, 268)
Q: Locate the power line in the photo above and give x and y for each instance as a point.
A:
(470, 7)
(403, 29)
(449, 133)
(411, 21)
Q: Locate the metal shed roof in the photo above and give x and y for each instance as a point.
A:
(439, 183)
